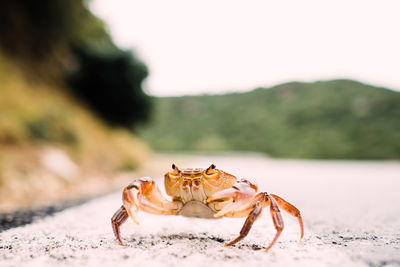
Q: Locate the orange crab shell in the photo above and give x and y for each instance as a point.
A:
(209, 181)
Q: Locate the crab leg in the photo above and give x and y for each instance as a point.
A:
(253, 216)
(143, 194)
(117, 220)
(276, 218)
(262, 200)
(292, 210)
(240, 200)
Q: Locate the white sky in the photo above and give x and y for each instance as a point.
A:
(215, 46)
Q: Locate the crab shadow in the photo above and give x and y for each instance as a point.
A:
(202, 240)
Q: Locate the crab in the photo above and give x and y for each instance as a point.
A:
(204, 193)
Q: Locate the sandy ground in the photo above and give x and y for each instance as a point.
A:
(351, 212)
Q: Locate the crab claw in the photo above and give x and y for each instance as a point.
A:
(143, 194)
(224, 194)
(229, 208)
(130, 206)
(238, 191)
(238, 195)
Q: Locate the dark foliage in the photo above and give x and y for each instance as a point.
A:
(31, 30)
(111, 83)
(46, 37)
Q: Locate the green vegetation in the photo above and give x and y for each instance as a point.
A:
(339, 119)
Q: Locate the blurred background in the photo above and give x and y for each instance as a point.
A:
(90, 90)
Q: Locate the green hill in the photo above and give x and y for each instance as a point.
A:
(324, 119)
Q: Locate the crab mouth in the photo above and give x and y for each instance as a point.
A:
(191, 177)
(190, 173)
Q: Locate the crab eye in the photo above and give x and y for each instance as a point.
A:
(211, 170)
(175, 171)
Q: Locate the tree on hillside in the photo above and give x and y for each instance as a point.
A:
(62, 40)
(112, 85)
